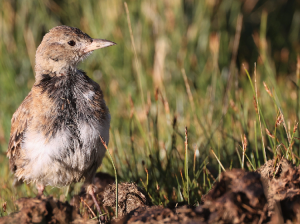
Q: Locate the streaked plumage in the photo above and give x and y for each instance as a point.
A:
(54, 137)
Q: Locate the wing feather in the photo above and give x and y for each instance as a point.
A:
(19, 123)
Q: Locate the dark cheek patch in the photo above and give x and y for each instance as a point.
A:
(55, 52)
(56, 57)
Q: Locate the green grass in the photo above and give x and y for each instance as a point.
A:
(181, 64)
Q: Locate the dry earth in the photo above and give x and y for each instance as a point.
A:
(269, 195)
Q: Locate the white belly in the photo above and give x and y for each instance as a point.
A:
(52, 162)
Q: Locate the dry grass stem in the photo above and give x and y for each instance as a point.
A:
(131, 107)
(235, 48)
(255, 105)
(196, 154)
(233, 106)
(269, 133)
(188, 90)
(284, 125)
(258, 112)
(164, 102)
(30, 46)
(212, 151)
(187, 164)
(295, 127)
(268, 90)
(115, 172)
(159, 62)
(298, 68)
(83, 201)
(137, 64)
(244, 143)
(279, 120)
(209, 173)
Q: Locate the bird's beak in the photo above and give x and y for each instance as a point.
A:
(97, 44)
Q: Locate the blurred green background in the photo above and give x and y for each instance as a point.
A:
(183, 66)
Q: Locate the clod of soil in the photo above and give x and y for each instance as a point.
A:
(130, 197)
(237, 198)
(282, 186)
(101, 181)
(44, 210)
(159, 214)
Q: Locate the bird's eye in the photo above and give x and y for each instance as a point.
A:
(71, 43)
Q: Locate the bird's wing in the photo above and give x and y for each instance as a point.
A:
(19, 123)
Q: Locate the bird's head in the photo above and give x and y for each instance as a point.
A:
(63, 48)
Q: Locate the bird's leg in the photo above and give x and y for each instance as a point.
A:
(91, 191)
(40, 188)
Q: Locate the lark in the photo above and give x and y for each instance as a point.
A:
(55, 132)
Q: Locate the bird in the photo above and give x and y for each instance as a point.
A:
(56, 132)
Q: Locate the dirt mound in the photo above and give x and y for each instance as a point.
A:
(281, 182)
(159, 214)
(130, 197)
(44, 210)
(50, 210)
(237, 198)
(269, 195)
(101, 181)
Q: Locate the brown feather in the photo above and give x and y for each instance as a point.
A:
(19, 122)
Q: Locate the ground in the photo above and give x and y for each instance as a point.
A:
(269, 195)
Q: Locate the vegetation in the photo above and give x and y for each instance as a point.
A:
(193, 87)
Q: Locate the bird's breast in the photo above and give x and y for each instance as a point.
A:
(75, 100)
